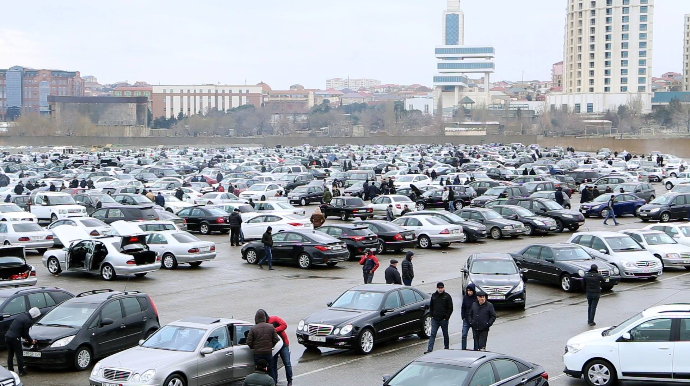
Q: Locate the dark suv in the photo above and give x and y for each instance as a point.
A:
(126, 213)
(499, 192)
(358, 237)
(565, 218)
(92, 325)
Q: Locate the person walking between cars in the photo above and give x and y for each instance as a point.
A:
(408, 269)
(19, 329)
(482, 317)
(260, 375)
(559, 196)
(327, 196)
(405, 210)
(179, 194)
(586, 195)
(468, 299)
(369, 264)
(150, 195)
(284, 352)
(267, 240)
(317, 219)
(440, 310)
(389, 213)
(235, 221)
(261, 339)
(610, 212)
(392, 273)
(451, 198)
(19, 189)
(593, 281)
(160, 200)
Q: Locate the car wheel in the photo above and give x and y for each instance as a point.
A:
(82, 358)
(195, 264)
(665, 217)
(140, 274)
(381, 247)
(108, 272)
(425, 333)
(529, 231)
(496, 233)
(304, 261)
(7, 242)
(365, 341)
(599, 373)
(54, 266)
(344, 216)
(559, 225)
(204, 229)
(251, 256)
(669, 186)
(53, 217)
(303, 202)
(263, 198)
(604, 213)
(458, 205)
(169, 261)
(174, 380)
(420, 206)
(566, 283)
(424, 241)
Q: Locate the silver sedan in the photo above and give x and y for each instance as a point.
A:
(177, 247)
(26, 233)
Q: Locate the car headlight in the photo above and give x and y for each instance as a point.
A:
(568, 215)
(336, 331)
(300, 326)
(537, 222)
(574, 347)
(62, 342)
(672, 255)
(519, 288)
(616, 271)
(95, 369)
(581, 272)
(147, 375)
(346, 330)
(16, 378)
(508, 227)
(627, 264)
(654, 210)
(473, 228)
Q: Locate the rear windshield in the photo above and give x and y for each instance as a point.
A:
(184, 237)
(31, 227)
(357, 231)
(354, 202)
(216, 212)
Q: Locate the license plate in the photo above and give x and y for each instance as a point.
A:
(607, 280)
(552, 228)
(32, 354)
(321, 339)
(36, 237)
(497, 297)
(110, 384)
(205, 249)
(409, 237)
(583, 210)
(643, 215)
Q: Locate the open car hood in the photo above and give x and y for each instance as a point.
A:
(68, 233)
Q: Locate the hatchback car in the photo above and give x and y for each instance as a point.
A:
(303, 248)
(92, 325)
(642, 190)
(671, 206)
(17, 300)
(499, 192)
(356, 236)
(497, 275)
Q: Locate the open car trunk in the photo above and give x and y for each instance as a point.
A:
(136, 246)
(12, 262)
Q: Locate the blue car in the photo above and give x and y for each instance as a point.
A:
(624, 203)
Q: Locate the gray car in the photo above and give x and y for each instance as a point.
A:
(551, 195)
(206, 351)
(642, 190)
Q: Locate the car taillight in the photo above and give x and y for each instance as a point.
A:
(133, 239)
(355, 210)
(32, 273)
(445, 232)
(398, 206)
(49, 237)
(370, 210)
(545, 375)
(220, 220)
(153, 305)
(24, 239)
(131, 262)
(357, 238)
(94, 233)
(322, 248)
(295, 224)
(398, 237)
(20, 276)
(213, 248)
(184, 220)
(193, 250)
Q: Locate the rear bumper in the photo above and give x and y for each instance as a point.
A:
(13, 283)
(401, 244)
(35, 244)
(330, 257)
(133, 269)
(451, 238)
(187, 258)
(573, 373)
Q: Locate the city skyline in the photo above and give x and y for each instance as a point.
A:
(392, 43)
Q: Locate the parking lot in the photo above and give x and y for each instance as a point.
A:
(230, 287)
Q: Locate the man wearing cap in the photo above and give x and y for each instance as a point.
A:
(482, 317)
(235, 221)
(369, 264)
(593, 280)
(440, 309)
(267, 240)
(13, 338)
(392, 274)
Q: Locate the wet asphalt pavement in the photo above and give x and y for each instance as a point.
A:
(229, 287)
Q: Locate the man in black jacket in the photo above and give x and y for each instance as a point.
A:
(408, 269)
(13, 338)
(593, 280)
(19, 189)
(267, 240)
(235, 221)
(468, 300)
(392, 274)
(482, 317)
(440, 309)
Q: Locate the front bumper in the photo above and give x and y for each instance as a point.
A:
(334, 341)
(509, 299)
(676, 262)
(188, 258)
(474, 234)
(640, 273)
(512, 231)
(50, 358)
(573, 373)
(650, 215)
(544, 228)
(451, 238)
(570, 221)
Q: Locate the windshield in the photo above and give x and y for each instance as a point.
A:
(60, 200)
(568, 254)
(663, 200)
(524, 212)
(623, 326)
(602, 198)
(141, 199)
(659, 239)
(69, 314)
(623, 243)
(493, 267)
(104, 198)
(354, 202)
(358, 176)
(359, 300)
(430, 374)
(10, 208)
(491, 215)
(92, 223)
(405, 179)
(300, 189)
(551, 205)
(494, 192)
(28, 227)
(174, 338)
(257, 188)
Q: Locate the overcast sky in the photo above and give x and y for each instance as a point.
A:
(295, 41)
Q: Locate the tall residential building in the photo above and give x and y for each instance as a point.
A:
(454, 61)
(24, 90)
(686, 55)
(607, 55)
(353, 84)
(168, 101)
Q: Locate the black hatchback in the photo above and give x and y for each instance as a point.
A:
(357, 236)
(392, 237)
(92, 325)
(303, 248)
(346, 207)
(205, 219)
(126, 212)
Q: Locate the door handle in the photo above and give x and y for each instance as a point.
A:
(229, 354)
(664, 348)
(123, 326)
(145, 318)
(402, 312)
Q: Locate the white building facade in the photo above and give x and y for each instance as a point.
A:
(171, 100)
(607, 56)
(425, 104)
(353, 84)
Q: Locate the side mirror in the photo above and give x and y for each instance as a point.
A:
(604, 251)
(4, 316)
(141, 341)
(464, 270)
(206, 351)
(523, 271)
(386, 310)
(386, 378)
(329, 304)
(549, 259)
(543, 209)
(514, 217)
(626, 336)
(106, 322)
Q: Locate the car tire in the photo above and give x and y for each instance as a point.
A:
(559, 225)
(169, 261)
(420, 206)
(304, 261)
(529, 231)
(41, 250)
(53, 266)
(496, 233)
(424, 242)
(665, 217)
(425, 332)
(82, 358)
(108, 272)
(381, 247)
(175, 380)
(205, 229)
(344, 216)
(604, 213)
(53, 218)
(458, 205)
(365, 341)
(263, 198)
(195, 264)
(669, 186)
(303, 202)
(142, 274)
(599, 373)
(566, 283)
(251, 255)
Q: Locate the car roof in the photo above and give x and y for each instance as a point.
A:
(598, 233)
(9, 291)
(99, 296)
(667, 308)
(462, 358)
(491, 255)
(206, 322)
(376, 287)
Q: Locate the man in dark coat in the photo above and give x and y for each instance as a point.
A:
(219, 177)
(82, 184)
(593, 281)
(179, 194)
(74, 183)
(365, 190)
(586, 195)
(389, 213)
(235, 226)
(19, 329)
(559, 196)
(19, 189)
(392, 274)
(260, 375)
(261, 339)
(160, 200)
(267, 240)
(482, 317)
(408, 269)
(469, 298)
(440, 309)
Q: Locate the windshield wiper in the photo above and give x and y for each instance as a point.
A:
(56, 325)
(606, 332)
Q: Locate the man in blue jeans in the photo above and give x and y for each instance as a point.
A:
(267, 240)
(440, 309)
(468, 299)
(610, 212)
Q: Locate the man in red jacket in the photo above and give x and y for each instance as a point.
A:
(284, 352)
(369, 264)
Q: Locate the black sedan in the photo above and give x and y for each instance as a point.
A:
(205, 219)
(468, 368)
(564, 264)
(391, 236)
(304, 195)
(498, 226)
(533, 223)
(497, 275)
(346, 207)
(367, 315)
(305, 249)
(473, 229)
(544, 207)
(433, 198)
(357, 236)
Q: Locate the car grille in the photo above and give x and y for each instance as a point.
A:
(604, 273)
(685, 255)
(7, 382)
(320, 329)
(116, 375)
(645, 264)
(73, 210)
(497, 290)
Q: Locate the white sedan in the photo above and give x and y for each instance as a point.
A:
(380, 204)
(256, 227)
(173, 204)
(27, 234)
(260, 192)
(177, 247)
(682, 178)
(12, 212)
(92, 226)
(432, 230)
(680, 232)
(216, 198)
(663, 246)
(278, 207)
(418, 180)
